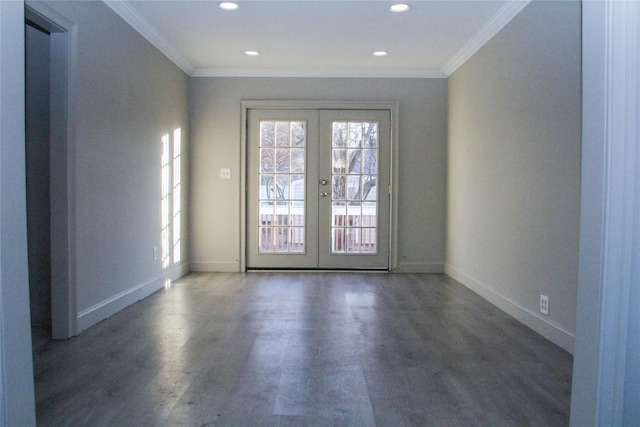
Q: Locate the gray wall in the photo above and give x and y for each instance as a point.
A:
(16, 370)
(514, 168)
(215, 138)
(128, 95)
(37, 163)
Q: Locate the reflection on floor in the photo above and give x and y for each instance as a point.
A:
(294, 349)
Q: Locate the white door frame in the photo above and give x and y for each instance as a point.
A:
(392, 107)
(64, 311)
(605, 368)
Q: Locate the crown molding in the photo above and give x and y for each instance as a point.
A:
(486, 33)
(318, 73)
(142, 26)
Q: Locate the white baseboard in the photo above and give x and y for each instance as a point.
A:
(233, 266)
(104, 309)
(545, 327)
(419, 267)
(216, 266)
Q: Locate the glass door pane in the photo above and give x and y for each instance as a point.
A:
(282, 187)
(354, 174)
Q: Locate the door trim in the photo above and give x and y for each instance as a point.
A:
(392, 106)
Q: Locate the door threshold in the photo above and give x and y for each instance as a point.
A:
(317, 270)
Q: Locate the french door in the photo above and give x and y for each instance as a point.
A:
(318, 189)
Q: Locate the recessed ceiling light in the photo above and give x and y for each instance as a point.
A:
(380, 53)
(400, 7)
(251, 52)
(227, 5)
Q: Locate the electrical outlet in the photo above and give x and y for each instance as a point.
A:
(225, 173)
(544, 304)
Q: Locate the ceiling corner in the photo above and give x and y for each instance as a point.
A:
(146, 30)
(486, 33)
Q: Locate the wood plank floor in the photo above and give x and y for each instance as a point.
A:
(305, 349)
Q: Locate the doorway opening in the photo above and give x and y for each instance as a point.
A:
(49, 82)
(37, 152)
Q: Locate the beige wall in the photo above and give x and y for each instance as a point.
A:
(216, 143)
(514, 168)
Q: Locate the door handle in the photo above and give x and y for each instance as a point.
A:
(324, 194)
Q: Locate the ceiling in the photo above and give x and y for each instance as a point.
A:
(318, 37)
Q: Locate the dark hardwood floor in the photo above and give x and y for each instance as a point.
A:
(305, 349)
